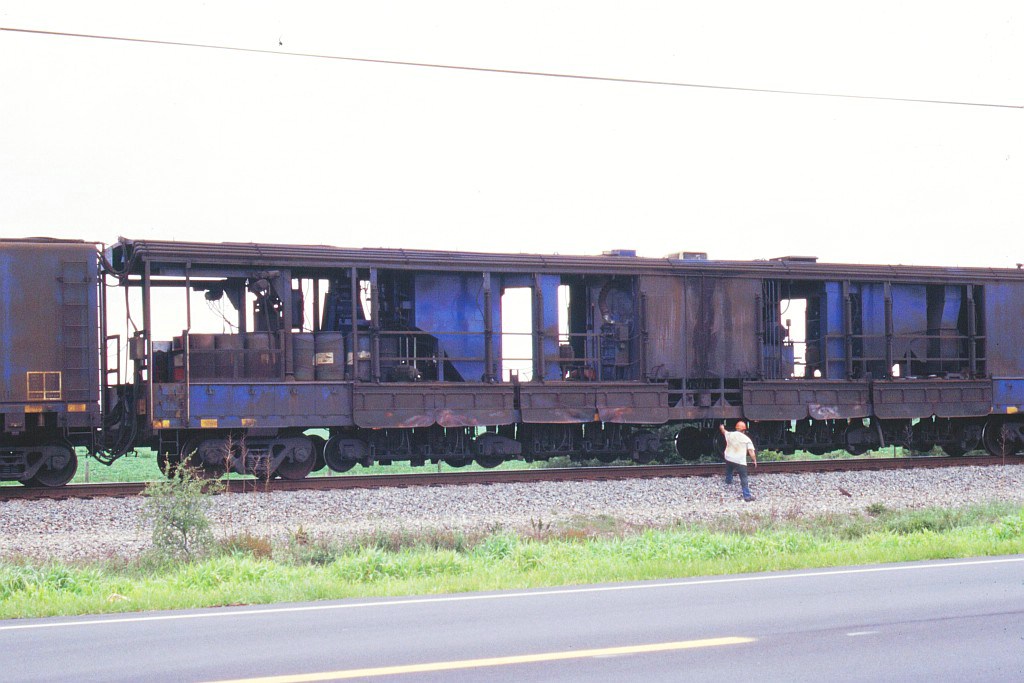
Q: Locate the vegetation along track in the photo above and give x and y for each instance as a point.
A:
(514, 476)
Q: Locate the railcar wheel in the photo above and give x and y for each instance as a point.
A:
(59, 467)
(964, 438)
(998, 440)
(788, 443)
(489, 461)
(301, 462)
(607, 458)
(860, 439)
(189, 458)
(691, 443)
(818, 439)
(922, 437)
(318, 451)
(342, 453)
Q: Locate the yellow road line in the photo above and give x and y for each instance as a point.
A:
(495, 661)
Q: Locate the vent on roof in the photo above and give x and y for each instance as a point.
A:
(797, 259)
(620, 252)
(689, 256)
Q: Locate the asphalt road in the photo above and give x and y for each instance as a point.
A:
(946, 620)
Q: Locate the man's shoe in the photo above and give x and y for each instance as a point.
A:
(748, 498)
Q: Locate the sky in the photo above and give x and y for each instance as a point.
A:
(102, 138)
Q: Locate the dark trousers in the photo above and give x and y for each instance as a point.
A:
(730, 467)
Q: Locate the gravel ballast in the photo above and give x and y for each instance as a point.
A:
(79, 529)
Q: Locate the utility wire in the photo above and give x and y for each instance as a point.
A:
(512, 72)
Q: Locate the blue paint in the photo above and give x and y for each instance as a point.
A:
(909, 318)
(834, 331)
(453, 301)
(1004, 315)
(1008, 392)
(270, 405)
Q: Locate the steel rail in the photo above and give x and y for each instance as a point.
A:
(489, 477)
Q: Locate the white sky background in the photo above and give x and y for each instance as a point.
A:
(100, 139)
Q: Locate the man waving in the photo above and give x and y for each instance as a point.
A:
(737, 446)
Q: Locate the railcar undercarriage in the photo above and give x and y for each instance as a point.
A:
(294, 455)
(999, 436)
(40, 460)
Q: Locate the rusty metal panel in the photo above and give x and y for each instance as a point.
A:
(683, 412)
(721, 327)
(634, 404)
(798, 400)
(905, 399)
(1004, 313)
(49, 322)
(666, 325)
(577, 402)
(422, 405)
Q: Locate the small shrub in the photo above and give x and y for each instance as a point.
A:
(539, 529)
(300, 537)
(258, 547)
(177, 508)
(772, 456)
(876, 509)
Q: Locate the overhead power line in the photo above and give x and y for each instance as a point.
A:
(511, 72)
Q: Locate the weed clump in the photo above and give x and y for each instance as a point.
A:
(1010, 528)
(875, 509)
(177, 508)
(257, 547)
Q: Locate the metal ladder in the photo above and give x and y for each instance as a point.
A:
(75, 327)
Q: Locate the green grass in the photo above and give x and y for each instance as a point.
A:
(249, 569)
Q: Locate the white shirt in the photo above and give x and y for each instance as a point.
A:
(736, 445)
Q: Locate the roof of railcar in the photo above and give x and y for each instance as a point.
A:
(43, 240)
(174, 255)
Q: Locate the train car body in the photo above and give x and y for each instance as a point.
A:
(49, 367)
(406, 355)
(276, 359)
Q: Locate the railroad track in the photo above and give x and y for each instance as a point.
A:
(514, 476)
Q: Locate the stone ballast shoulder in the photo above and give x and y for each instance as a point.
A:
(77, 529)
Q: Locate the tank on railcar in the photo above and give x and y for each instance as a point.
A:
(49, 359)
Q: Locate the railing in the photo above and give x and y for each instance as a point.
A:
(397, 356)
